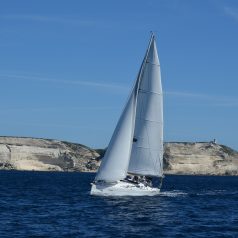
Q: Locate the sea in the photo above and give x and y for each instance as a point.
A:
(58, 204)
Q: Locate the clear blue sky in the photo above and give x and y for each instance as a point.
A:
(66, 67)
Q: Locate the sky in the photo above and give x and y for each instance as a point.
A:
(67, 67)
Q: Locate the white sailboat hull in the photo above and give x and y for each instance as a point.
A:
(123, 188)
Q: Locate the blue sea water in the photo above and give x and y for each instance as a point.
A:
(51, 204)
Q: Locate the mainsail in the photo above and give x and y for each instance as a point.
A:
(137, 142)
(147, 150)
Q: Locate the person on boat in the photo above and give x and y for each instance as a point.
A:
(129, 178)
(136, 179)
(148, 181)
(142, 179)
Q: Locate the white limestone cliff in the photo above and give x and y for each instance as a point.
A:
(45, 155)
(199, 158)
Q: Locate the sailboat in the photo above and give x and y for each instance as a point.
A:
(134, 156)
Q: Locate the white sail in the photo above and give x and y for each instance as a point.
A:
(114, 164)
(137, 142)
(147, 150)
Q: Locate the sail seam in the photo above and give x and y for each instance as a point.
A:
(148, 148)
(154, 121)
(148, 62)
(145, 91)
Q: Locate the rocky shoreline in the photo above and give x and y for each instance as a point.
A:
(200, 158)
(184, 158)
(46, 155)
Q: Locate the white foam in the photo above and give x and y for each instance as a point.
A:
(173, 193)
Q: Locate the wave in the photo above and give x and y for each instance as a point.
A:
(173, 193)
(217, 192)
